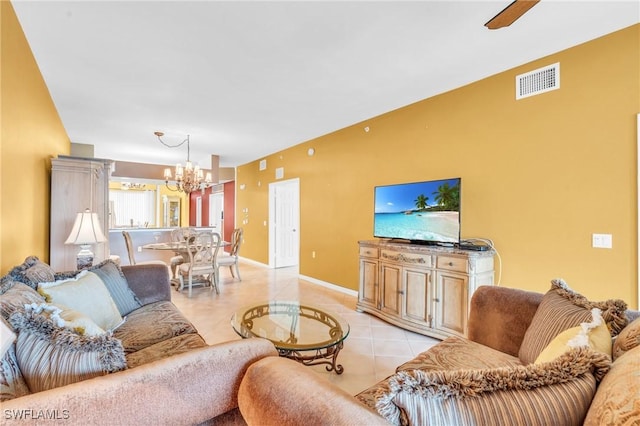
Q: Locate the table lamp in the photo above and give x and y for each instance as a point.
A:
(86, 231)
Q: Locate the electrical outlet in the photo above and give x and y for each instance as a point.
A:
(602, 241)
(139, 249)
(313, 254)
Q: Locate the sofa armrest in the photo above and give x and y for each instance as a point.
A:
(150, 282)
(188, 388)
(500, 316)
(279, 391)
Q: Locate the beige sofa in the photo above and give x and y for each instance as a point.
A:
(172, 377)
(476, 381)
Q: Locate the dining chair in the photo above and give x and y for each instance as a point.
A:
(202, 248)
(231, 260)
(179, 235)
(131, 251)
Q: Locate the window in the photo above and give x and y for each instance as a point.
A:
(132, 208)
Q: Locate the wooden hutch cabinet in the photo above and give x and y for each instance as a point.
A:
(424, 289)
(77, 184)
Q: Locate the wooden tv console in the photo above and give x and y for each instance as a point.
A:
(425, 289)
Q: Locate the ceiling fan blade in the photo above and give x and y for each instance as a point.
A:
(510, 13)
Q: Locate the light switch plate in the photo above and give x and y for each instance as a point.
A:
(602, 241)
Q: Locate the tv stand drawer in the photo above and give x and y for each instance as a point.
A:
(406, 258)
(453, 264)
(369, 252)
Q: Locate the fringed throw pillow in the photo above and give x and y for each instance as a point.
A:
(50, 356)
(85, 293)
(32, 271)
(594, 334)
(473, 396)
(562, 308)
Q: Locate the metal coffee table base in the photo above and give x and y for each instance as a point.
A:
(327, 356)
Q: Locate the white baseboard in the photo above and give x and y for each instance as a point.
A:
(310, 279)
(329, 285)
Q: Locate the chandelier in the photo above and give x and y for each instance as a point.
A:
(188, 178)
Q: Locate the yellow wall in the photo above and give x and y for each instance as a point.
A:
(539, 175)
(32, 133)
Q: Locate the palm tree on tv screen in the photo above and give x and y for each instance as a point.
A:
(448, 197)
(421, 202)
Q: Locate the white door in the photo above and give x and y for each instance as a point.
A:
(284, 219)
(216, 206)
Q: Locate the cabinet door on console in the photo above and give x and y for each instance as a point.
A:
(451, 305)
(418, 293)
(369, 282)
(391, 288)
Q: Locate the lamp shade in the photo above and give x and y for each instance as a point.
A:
(86, 229)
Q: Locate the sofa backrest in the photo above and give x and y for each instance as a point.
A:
(150, 282)
(500, 316)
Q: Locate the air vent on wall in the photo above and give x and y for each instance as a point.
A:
(538, 81)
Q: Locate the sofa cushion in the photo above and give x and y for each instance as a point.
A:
(51, 356)
(16, 296)
(562, 308)
(628, 339)
(617, 401)
(558, 392)
(455, 353)
(32, 271)
(594, 334)
(151, 324)
(85, 293)
(166, 348)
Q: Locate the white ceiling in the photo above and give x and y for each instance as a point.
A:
(246, 79)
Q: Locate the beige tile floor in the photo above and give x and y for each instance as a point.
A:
(371, 351)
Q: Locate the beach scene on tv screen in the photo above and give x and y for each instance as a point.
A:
(425, 211)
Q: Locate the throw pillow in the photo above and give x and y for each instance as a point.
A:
(617, 399)
(115, 281)
(12, 384)
(66, 317)
(594, 334)
(628, 339)
(32, 271)
(6, 282)
(16, 297)
(85, 293)
(50, 356)
(562, 308)
(410, 397)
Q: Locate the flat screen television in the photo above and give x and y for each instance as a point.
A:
(422, 212)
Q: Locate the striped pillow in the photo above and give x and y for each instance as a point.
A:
(562, 308)
(51, 356)
(557, 392)
(115, 281)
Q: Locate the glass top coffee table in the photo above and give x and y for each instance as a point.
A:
(301, 332)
